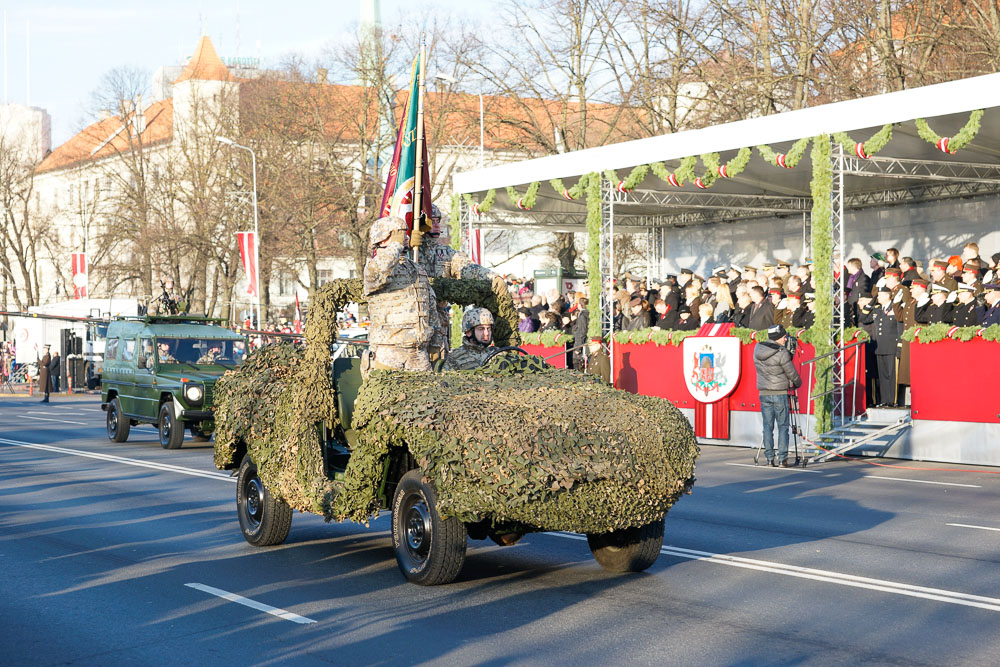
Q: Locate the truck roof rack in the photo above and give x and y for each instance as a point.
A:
(174, 319)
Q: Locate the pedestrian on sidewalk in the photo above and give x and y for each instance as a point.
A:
(44, 384)
(776, 376)
(54, 371)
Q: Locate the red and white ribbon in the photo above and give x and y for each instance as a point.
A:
(942, 144)
(672, 179)
(979, 332)
(621, 186)
(566, 194)
(520, 204)
(859, 150)
(779, 159)
(722, 172)
(701, 185)
(951, 332)
(475, 209)
(558, 336)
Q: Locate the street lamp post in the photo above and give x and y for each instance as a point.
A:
(256, 234)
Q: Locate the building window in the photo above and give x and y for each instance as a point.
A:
(286, 284)
(324, 276)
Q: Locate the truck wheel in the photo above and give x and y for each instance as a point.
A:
(429, 550)
(628, 550)
(171, 431)
(118, 424)
(264, 520)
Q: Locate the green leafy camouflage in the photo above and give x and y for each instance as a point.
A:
(548, 449)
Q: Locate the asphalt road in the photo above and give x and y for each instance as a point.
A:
(127, 553)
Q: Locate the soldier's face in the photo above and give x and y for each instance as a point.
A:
(917, 292)
(938, 298)
(483, 333)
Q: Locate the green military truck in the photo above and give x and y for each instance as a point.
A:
(162, 371)
(511, 448)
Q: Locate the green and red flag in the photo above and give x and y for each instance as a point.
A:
(398, 197)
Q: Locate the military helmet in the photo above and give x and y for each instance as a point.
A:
(384, 227)
(476, 316)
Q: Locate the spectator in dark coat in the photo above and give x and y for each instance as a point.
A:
(639, 315)
(761, 311)
(776, 376)
(857, 286)
(990, 313)
(43, 375)
(54, 371)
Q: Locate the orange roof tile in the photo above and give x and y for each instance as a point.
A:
(109, 136)
(205, 64)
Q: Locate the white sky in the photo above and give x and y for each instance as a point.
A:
(73, 43)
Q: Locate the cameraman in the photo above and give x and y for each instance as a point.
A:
(775, 377)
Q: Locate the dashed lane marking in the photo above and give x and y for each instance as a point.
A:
(966, 525)
(58, 421)
(792, 469)
(253, 604)
(922, 481)
(123, 460)
(841, 579)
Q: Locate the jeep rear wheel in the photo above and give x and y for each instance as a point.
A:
(628, 550)
(171, 431)
(264, 520)
(118, 424)
(429, 550)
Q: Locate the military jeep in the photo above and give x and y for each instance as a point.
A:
(511, 448)
(162, 370)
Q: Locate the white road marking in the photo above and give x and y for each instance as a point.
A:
(922, 481)
(966, 525)
(897, 588)
(121, 459)
(253, 604)
(58, 421)
(794, 468)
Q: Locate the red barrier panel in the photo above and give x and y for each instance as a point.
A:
(653, 370)
(953, 381)
(544, 351)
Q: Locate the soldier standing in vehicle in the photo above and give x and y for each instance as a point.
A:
(166, 303)
(400, 302)
(441, 261)
(477, 341)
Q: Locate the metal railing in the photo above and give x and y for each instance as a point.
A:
(838, 387)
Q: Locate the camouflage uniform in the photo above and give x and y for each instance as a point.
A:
(472, 353)
(165, 304)
(400, 304)
(441, 261)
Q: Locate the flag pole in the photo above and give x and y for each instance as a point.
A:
(418, 204)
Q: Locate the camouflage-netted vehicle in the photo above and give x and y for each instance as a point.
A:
(497, 452)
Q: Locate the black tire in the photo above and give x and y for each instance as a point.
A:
(118, 424)
(429, 550)
(200, 436)
(171, 431)
(629, 550)
(264, 520)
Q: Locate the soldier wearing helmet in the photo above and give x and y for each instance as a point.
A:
(441, 261)
(400, 302)
(477, 341)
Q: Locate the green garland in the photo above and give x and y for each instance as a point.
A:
(711, 174)
(635, 177)
(792, 157)
(594, 252)
(871, 146)
(956, 143)
(935, 333)
(547, 338)
(822, 253)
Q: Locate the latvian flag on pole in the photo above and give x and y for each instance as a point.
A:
(248, 255)
(298, 316)
(475, 246)
(79, 261)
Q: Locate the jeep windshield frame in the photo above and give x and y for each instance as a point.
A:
(172, 350)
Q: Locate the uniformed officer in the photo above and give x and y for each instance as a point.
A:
(799, 315)
(915, 304)
(166, 303)
(441, 261)
(400, 302)
(939, 275)
(939, 309)
(970, 276)
(964, 313)
(990, 313)
(477, 341)
(598, 362)
(885, 333)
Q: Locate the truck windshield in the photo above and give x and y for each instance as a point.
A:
(198, 351)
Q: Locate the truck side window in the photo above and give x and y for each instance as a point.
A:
(128, 352)
(111, 349)
(145, 358)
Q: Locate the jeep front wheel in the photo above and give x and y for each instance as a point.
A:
(118, 424)
(171, 431)
(429, 550)
(264, 520)
(628, 550)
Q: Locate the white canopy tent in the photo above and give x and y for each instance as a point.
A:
(909, 169)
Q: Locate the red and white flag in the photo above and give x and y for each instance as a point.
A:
(79, 261)
(475, 246)
(298, 316)
(248, 255)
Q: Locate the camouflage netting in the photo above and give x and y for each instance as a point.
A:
(593, 459)
(550, 449)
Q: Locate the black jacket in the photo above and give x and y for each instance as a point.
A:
(885, 330)
(640, 321)
(761, 317)
(776, 373)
